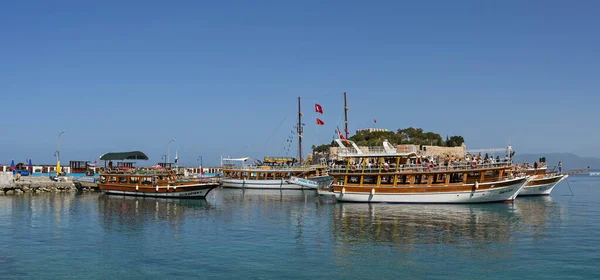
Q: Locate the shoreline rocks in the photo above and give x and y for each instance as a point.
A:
(44, 185)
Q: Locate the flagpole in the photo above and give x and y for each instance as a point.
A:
(299, 133)
(316, 130)
(345, 115)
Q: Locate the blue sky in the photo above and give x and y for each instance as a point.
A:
(221, 75)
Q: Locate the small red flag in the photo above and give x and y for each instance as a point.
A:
(374, 120)
(318, 109)
(320, 122)
(342, 136)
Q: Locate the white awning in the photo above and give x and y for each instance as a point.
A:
(237, 159)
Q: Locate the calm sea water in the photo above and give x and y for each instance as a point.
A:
(296, 235)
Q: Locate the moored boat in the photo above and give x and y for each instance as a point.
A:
(543, 181)
(273, 173)
(155, 181)
(282, 173)
(542, 184)
(384, 174)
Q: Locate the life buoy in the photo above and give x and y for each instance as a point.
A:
(430, 167)
(353, 168)
(473, 164)
(386, 167)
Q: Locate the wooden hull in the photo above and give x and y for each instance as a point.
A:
(198, 190)
(280, 184)
(486, 192)
(542, 186)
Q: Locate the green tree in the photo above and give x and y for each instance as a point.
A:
(410, 135)
(320, 149)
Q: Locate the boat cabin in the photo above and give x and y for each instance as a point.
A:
(279, 161)
(385, 166)
(272, 168)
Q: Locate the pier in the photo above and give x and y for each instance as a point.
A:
(9, 185)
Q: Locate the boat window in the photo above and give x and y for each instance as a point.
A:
(402, 180)
(133, 180)
(146, 181)
(418, 179)
(370, 180)
(387, 180)
(102, 179)
(339, 180)
(122, 179)
(112, 179)
(353, 179)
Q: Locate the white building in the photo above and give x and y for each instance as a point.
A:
(369, 130)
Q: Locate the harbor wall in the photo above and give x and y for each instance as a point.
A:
(444, 152)
(6, 178)
(30, 184)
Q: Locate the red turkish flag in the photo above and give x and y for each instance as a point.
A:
(342, 136)
(318, 108)
(320, 122)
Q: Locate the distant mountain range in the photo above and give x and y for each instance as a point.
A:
(570, 161)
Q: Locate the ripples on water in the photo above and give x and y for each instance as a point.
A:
(256, 234)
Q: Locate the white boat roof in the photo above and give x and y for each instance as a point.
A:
(387, 150)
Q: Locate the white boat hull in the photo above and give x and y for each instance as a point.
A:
(543, 189)
(188, 194)
(195, 191)
(261, 184)
(507, 193)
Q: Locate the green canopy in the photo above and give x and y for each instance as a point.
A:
(135, 155)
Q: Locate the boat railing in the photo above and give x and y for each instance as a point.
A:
(207, 180)
(350, 151)
(136, 171)
(271, 168)
(416, 168)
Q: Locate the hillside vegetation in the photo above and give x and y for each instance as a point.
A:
(409, 135)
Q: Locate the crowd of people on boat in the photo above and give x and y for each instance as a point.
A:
(425, 163)
(535, 166)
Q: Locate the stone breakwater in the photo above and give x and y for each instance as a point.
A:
(8, 186)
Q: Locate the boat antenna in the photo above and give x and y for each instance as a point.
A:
(299, 133)
(345, 115)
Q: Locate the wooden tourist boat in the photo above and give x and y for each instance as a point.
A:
(155, 181)
(542, 184)
(273, 173)
(283, 173)
(543, 181)
(393, 178)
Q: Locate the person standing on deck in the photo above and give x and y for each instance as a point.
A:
(560, 167)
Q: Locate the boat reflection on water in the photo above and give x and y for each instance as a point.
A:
(131, 213)
(424, 224)
(263, 196)
(539, 212)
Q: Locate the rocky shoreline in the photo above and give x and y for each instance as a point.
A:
(8, 186)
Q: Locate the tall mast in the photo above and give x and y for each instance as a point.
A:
(299, 133)
(345, 115)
